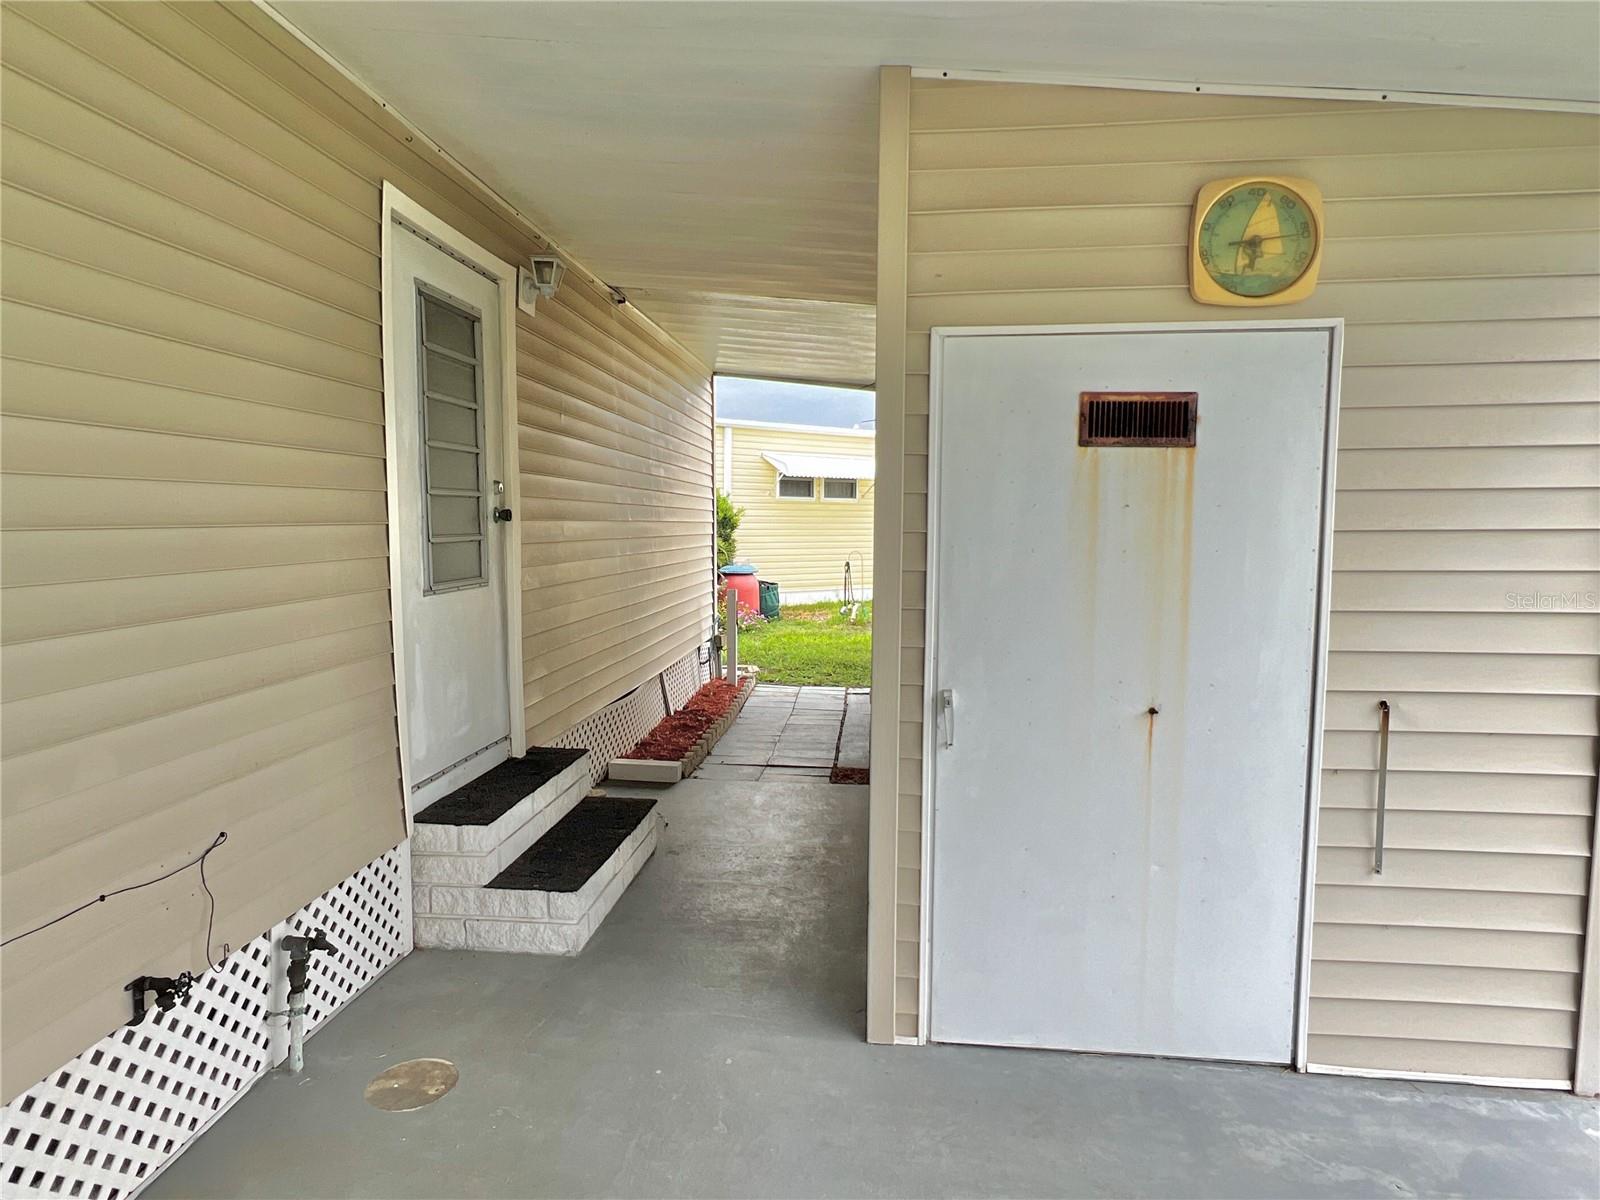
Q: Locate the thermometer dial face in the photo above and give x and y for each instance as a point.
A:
(1257, 238)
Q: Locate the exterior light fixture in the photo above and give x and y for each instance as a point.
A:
(541, 277)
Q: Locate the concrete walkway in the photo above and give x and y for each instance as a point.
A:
(787, 732)
(855, 739)
(708, 1042)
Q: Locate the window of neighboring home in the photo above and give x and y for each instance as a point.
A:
(838, 489)
(791, 487)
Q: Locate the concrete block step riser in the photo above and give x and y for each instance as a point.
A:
(532, 922)
(472, 855)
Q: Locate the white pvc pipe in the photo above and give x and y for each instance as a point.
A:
(297, 1034)
(731, 632)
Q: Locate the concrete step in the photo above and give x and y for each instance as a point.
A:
(474, 833)
(552, 898)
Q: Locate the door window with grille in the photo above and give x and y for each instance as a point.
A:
(450, 369)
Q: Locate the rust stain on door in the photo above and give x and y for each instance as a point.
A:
(1129, 527)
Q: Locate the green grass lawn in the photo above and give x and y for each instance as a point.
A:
(812, 644)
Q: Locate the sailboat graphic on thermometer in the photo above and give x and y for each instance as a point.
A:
(1262, 240)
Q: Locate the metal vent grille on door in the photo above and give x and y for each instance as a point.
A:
(1137, 418)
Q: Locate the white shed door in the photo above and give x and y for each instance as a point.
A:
(1127, 634)
(446, 422)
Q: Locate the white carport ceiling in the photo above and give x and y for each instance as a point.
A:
(717, 161)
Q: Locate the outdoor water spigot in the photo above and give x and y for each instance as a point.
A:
(299, 946)
(169, 991)
(299, 950)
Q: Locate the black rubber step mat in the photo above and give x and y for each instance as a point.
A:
(566, 857)
(496, 792)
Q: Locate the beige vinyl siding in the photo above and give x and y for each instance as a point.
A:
(802, 545)
(196, 613)
(1462, 252)
(615, 447)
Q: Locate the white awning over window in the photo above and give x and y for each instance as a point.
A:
(823, 466)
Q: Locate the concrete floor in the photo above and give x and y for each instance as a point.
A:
(708, 1042)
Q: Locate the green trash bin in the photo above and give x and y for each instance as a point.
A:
(769, 599)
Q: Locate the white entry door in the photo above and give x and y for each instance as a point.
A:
(1125, 639)
(447, 458)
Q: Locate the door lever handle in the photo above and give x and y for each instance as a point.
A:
(946, 718)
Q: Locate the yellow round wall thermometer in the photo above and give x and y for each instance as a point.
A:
(1256, 240)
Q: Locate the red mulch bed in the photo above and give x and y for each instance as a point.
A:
(675, 735)
(849, 775)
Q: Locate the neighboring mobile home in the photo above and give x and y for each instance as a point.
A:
(319, 500)
(806, 491)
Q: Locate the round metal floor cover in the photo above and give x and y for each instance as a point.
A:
(411, 1085)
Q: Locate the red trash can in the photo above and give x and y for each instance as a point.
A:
(741, 581)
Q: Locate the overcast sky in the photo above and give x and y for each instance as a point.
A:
(796, 403)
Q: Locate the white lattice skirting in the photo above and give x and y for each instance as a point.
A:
(617, 727)
(107, 1122)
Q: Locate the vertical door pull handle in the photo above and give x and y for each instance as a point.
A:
(1383, 784)
(947, 718)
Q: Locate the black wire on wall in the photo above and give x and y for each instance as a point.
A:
(198, 861)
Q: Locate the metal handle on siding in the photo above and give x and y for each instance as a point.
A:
(947, 718)
(1383, 784)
